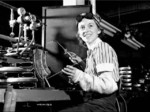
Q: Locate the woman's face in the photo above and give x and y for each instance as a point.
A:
(88, 30)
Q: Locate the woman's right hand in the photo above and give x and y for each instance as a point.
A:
(75, 58)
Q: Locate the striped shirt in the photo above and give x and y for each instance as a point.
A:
(102, 69)
(101, 58)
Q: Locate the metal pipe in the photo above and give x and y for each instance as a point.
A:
(108, 33)
(138, 23)
(132, 42)
(113, 27)
(93, 3)
(129, 44)
(107, 27)
(7, 6)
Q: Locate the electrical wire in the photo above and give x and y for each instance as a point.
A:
(125, 104)
(118, 106)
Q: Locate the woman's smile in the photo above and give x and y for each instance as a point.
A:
(87, 34)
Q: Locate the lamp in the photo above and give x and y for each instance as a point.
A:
(129, 44)
(111, 26)
(131, 41)
(109, 29)
(106, 27)
(108, 33)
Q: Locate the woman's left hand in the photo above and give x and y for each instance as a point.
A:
(72, 72)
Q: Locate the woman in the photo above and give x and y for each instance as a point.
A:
(101, 73)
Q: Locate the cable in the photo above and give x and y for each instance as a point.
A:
(118, 104)
(124, 103)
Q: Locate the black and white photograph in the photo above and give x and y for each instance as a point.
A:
(74, 56)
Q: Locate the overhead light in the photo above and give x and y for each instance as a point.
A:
(129, 44)
(110, 25)
(106, 27)
(108, 33)
(138, 42)
(131, 41)
(109, 29)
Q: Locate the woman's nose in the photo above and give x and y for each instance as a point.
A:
(86, 28)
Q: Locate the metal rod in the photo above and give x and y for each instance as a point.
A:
(138, 23)
(7, 6)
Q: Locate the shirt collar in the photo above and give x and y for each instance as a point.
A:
(94, 44)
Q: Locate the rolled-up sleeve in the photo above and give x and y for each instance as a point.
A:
(105, 67)
(102, 84)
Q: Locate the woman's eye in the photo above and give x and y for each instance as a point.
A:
(90, 25)
(82, 27)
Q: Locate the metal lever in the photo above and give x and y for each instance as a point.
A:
(66, 52)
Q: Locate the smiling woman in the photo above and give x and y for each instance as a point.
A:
(100, 75)
(99, 78)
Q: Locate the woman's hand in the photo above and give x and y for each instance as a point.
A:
(72, 72)
(75, 58)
